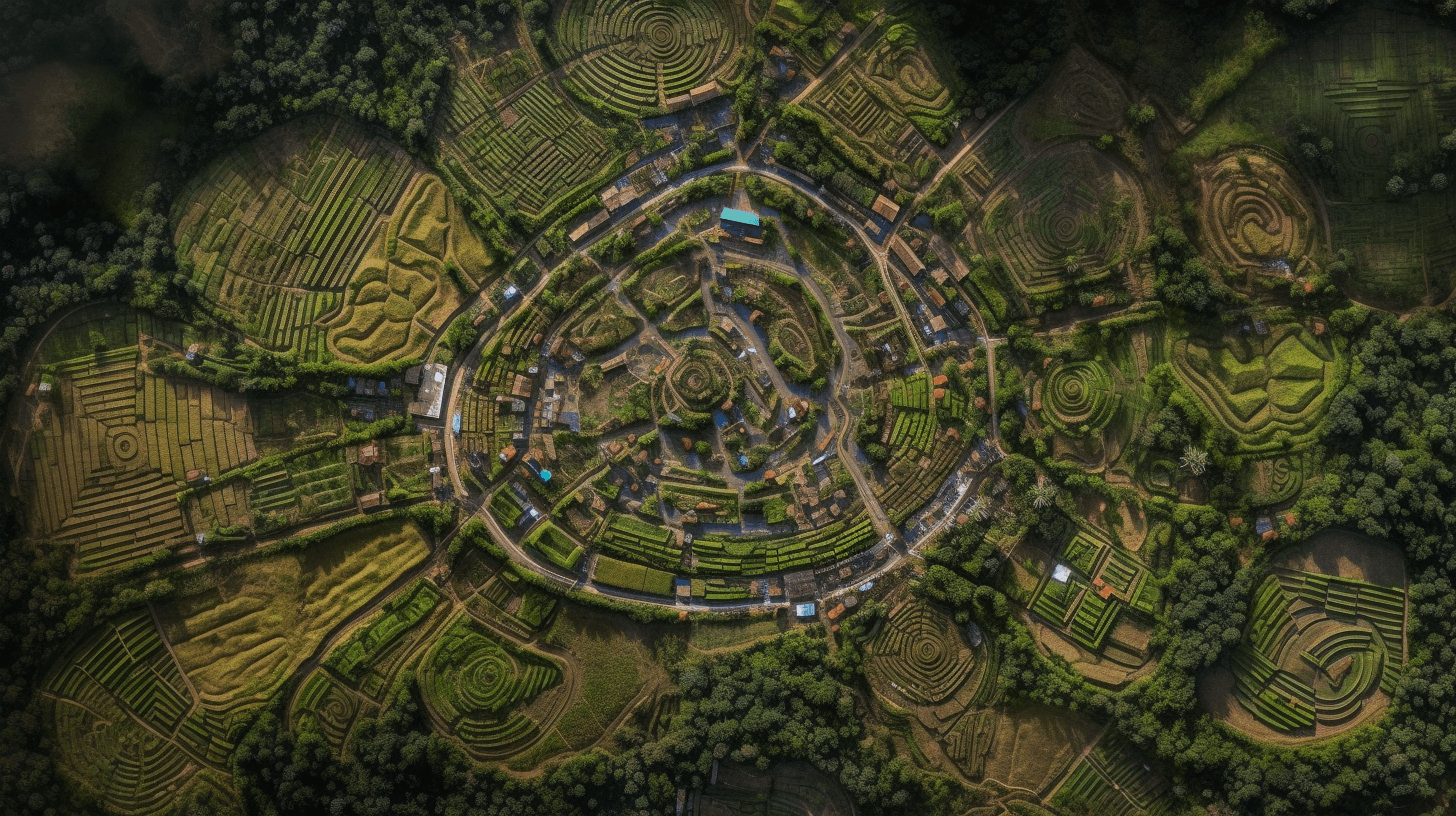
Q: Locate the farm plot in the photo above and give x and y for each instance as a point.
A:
(1114, 780)
(1073, 216)
(1080, 397)
(1270, 390)
(1101, 583)
(529, 147)
(744, 555)
(486, 692)
(921, 656)
(108, 451)
(1317, 649)
(125, 722)
(1367, 87)
(889, 97)
(634, 55)
(243, 637)
(800, 341)
(924, 446)
(320, 239)
(1256, 214)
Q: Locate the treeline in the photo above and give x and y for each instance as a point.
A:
(384, 63)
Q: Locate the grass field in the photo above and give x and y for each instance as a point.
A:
(321, 239)
(613, 664)
(243, 637)
(1366, 87)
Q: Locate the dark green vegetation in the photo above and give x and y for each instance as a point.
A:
(396, 425)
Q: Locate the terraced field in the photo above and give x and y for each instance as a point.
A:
(1268, 390)
(1080, 398)
(127, 724)
(1072, 216)
(527, 145)
(888, 96)
(1257, 214)
(323, 240)
(634, 55)
(106, 453)
(1317, 648)
(475, 687)
(922, 655)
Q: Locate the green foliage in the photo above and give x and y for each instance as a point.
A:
(380, 63)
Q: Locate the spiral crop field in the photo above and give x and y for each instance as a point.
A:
(474, 685)
(1255, 212)
(703, 376)
(1072, 215)
(1080, 397)
(921, 654)
(635, 54)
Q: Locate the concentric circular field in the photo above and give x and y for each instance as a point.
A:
(124, 444)
(1079, 397)
(618, 50)
(1256, 214)
(921, 655)
(1073, 214)
(700, 380)
(476, 687)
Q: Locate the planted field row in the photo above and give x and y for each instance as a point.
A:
(726, 555)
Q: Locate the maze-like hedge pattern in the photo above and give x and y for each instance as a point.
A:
(113, 445)
(1082, 98)
(1073, 215)
(887, 92)
(330, 704)
(1269, 391)
(474, 684)
(921, 653)
(1254, 217)
(292, 237)
(734, 555)
(1316, 647)
(126, 721)
(1080, 397)
(532, 151)
(702, 377)
(636, 54)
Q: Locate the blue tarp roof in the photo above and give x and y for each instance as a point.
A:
(740, 217)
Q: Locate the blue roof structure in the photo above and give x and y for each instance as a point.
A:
(740, 217)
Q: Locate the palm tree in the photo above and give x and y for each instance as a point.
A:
(1044, 495)
(1195, 460)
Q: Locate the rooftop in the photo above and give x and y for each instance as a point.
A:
(740, 217)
